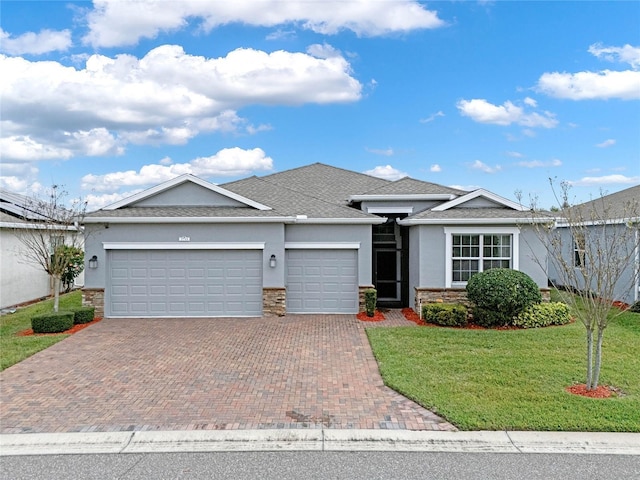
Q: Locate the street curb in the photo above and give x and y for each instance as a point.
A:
(318, 440)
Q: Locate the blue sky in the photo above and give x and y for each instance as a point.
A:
(108, 98)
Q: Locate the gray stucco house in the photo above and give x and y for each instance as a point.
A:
(607, 226)
(306, 240)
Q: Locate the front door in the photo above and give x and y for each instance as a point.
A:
(390, 264)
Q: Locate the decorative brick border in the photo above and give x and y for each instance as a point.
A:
(94, 297)
(274, 301)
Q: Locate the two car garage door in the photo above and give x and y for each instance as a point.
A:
(185, 283)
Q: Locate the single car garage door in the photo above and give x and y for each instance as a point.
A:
(322, 281)
(184, 283)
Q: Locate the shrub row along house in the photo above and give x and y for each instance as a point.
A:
(306, 240)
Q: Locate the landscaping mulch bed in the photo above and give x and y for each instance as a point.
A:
(378, 316)
(603, 391)
(72, 330)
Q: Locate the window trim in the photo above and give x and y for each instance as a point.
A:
(579, 240)
(451, 231)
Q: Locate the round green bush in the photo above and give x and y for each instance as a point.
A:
(52, 322)
(83, 315)
(500, 294)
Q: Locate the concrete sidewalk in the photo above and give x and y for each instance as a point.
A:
(319, 440)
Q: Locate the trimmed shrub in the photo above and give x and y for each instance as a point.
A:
(52, 322)
(500, 294)
(370, 299)
(635, 308)
(543, 315)
(445, 314)
(83, 315)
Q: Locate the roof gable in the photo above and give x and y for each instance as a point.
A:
(186, 190)
(479, 198)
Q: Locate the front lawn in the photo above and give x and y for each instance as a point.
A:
(513, 379)
(13, 348)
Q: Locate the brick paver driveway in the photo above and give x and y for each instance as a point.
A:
(310, 371)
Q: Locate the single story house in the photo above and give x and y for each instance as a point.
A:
(22, 280)
(594, 231)
(305, 240)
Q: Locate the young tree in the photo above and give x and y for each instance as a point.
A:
(52, 236)
(593, 249)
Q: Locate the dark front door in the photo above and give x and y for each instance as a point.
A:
(390, 264)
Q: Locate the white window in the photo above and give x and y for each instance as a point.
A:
(470, 251)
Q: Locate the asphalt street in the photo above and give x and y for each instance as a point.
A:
(322, 465)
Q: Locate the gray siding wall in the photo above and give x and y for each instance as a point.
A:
(626, 289)
(533, 256)
(271, 234)
(338, 233)
(431, 256)
(418, 206)
(189, 194)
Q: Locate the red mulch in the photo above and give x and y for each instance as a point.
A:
(378, 316)
(602, 391)
(621, 305)
(412, 316)
(74, 329)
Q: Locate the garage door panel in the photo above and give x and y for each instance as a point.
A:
(322, 281)
(185, 283)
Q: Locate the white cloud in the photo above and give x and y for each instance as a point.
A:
(607, 143)
(624, 54)
(483, 167)
(606, 180)
(227, 162)
(514, 154)
(606, 84)
(31, 43)
(481, 111)
(166, 97)
(432, 117)
(539, 164)
(466, 188)
(435, 168)
(531, 102)
(388, 152)
(387, 172)
(94, 202)
(281, 35)
(116, 22)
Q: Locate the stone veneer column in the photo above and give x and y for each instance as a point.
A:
(274, 301)
(94, 297)
(361, 289)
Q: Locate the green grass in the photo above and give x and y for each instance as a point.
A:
(514, 379)
(14, 349)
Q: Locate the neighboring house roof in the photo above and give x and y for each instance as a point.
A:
(20, 207)
(618, 207)
(472, 216)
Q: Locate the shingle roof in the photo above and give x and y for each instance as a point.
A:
(290, 202)
(325, 182)
(616, 206)
(20, 206)
(158, 212)
(409, 186)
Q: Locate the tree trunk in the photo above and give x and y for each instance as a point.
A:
(56, 293)
(596, 373)
(589, 358)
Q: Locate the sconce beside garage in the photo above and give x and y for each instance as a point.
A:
(93, 262)
(272, 261)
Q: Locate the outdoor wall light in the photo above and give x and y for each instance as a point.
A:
(272, 261)
(93, 262)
